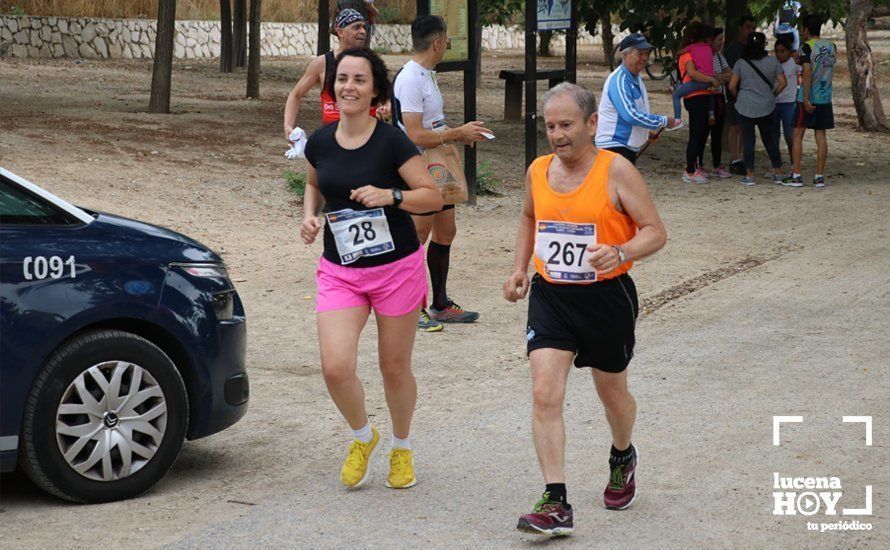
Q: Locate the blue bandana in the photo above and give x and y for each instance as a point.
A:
(347, 17)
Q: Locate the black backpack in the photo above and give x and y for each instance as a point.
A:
(395, 104)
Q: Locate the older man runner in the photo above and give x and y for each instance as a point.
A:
(350, 26)
(587, 217)
(625, 123)
(368, 10)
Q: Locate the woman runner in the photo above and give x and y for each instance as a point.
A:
(366, 176)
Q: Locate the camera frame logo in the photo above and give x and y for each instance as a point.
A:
(807, 496)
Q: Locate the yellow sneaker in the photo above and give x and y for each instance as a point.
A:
(357, 466)
(401, 469)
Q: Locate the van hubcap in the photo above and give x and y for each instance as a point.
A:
(111, 420)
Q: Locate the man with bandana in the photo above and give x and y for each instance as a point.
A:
(368, 10)
(351, 30)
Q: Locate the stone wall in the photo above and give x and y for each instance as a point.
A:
(24, 36)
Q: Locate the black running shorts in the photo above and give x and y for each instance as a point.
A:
(596, 321)
(444, 208)
(822, 118)
(625, 152)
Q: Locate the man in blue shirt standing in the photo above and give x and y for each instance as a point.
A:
(625, 123)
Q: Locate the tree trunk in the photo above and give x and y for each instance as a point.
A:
(225, 36)
(159, 102)
(239, 37)
(733, 10)
(866, 98)
(705, 13)
(253, 64)
(608, 36)
(324, 28)
(544, 44)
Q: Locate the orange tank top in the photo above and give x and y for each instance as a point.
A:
(589, 203)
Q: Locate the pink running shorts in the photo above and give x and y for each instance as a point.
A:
(393, 289)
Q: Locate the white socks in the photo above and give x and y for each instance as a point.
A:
(365, 435)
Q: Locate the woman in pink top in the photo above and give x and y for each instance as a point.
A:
(701, 72)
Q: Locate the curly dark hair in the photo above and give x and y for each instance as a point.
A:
(379, 74)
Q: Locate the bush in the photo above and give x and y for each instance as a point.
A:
(389, 14)
(296, 182)
(486, 182)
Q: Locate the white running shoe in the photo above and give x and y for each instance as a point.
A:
(696, 177)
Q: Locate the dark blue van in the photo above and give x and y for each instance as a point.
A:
(118, 340)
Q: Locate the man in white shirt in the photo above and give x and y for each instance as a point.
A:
(418, 111)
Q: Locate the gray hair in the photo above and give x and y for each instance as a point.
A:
(584, 98)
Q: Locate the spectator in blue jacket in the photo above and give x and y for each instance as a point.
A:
(625, 123)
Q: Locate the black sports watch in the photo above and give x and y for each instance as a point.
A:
(397, 197)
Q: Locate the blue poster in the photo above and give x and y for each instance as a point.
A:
(554, 15)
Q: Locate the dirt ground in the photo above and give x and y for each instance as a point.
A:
(766, 301)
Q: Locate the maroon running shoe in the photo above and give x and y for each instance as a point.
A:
(549, 518)
(622, 488)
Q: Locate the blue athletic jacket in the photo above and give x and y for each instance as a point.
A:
(624, 118)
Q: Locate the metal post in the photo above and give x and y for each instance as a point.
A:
(531, 99)
(572, 45)
(470, 97)
(324, 27)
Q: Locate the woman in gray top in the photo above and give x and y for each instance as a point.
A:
(756, 81)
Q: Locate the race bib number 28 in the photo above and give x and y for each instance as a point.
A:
(562, 247)
(360, 233)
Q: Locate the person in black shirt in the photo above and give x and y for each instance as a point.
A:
(733, 52)
(366, 176)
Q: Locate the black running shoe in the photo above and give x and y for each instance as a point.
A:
(737, 167)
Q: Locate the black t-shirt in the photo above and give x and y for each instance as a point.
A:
(806, 54)
(732, 52)
(376, 163)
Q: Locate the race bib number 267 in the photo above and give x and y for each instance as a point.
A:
(562, 247)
